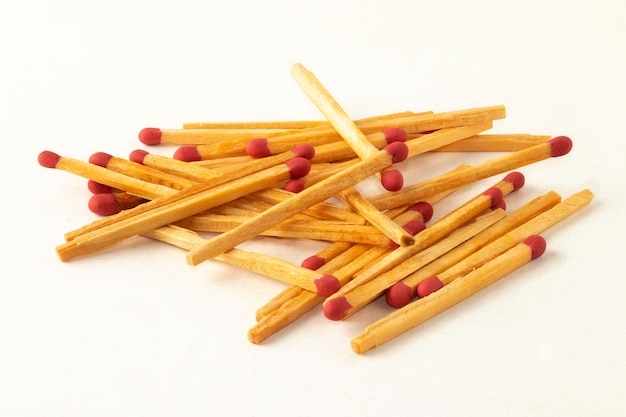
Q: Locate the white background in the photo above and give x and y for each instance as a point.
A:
(135, 331)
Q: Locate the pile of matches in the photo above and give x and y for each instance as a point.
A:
(296, 179)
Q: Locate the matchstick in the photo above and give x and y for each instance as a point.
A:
(340, 306)
(108, 204)
(202, 136)
(443, 137)
(402, 292)
(104, 176)
(182, 169)
(421, 310)
(391, 179)
(263, 124)
(179, 208)
(317, 193)
(139, 171)
(495, 143)
(558, 146)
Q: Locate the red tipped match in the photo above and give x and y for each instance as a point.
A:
(560, 145)
(398, 295)
(104, 204)
(337, 308)
(100, 158)
(496, 196)
(187, 154)
(327, 285)
(394, 134)
(537, 245)
(392, 180)
(298, 167)
(97, 188)
(305, 151)
(425, 208)
(294, 186)
(398, 150)
(500, 205)
(517, 179)
(313, 262)
(429, 286)
(48, 159)
(257, 148)
(138, 155)
(150, 136)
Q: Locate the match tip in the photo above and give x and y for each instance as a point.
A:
(398, 295)
(516, 179)
(98, 188)
(294, 186)
(394, 134)
(138, 155)
(304, 150)
(48, 159)
(560, 145)
(298, 167)
(150, 136)
(336, 308)
(313, 262)
(327, 285)
(414, 227)
(104, 204)
(392, 180)
(429, 286)
(425, 209)
(537, 245)
(257, 148)
(496, 196)
(398, 150)
(187, 154)
(100, 158)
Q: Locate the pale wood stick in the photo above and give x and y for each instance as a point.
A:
(332, 111)
(340, 307)
(442, 137)
(324, 230)
(401, 293)
(341, 150)
(262, 124)
(371, 290)
(204, 135)
(421, 310)
(555, 147)
(222, 163)
(299, 202)
(183, 169)
(495, 143)
(168, 213)
(140, 171)
(313, 136)
(349, 252)
(211, 182)
(104, 176)
(259, 263)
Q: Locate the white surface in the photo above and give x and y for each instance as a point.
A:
(135, 331)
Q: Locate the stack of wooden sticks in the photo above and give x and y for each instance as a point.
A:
(277, 178)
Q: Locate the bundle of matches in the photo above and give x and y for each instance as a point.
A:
(297, 179)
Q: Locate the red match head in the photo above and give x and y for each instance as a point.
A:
(138, 155)
(188, 154)
(392, 180)
(560, 145)
(100, 158)
(298, 167)
(394, 134)
(429, 286)
(150, 136)
(537, 245)
(48, 159)
(398, 295)
(257, 148)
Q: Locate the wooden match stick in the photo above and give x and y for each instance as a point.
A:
(558, 146)
(108, 204)
(495, 143)
(104, 176)
(401, 293)
(391, 179)
(259, 263)
(315, 194)
(182, 169)
(341, 306)
(140, 171)
(262, 124)
(421, 310)
(179, 208)
(443, 137)
(203, 136)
